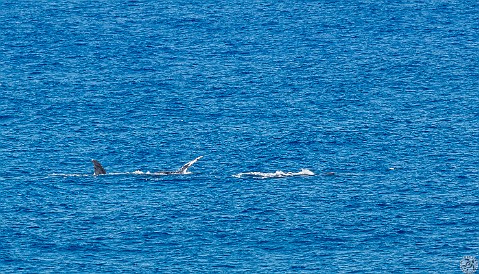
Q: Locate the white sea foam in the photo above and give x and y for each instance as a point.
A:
(139, 172)
(277, 174)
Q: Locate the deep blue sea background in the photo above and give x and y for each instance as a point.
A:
(384, 94)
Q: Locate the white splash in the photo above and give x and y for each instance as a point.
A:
(277, 174)
(139, 172)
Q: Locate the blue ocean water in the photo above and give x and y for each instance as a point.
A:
(384, 94)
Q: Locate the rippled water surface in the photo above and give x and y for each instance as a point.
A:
(355, 122)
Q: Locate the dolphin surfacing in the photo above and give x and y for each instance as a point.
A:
(98, 168)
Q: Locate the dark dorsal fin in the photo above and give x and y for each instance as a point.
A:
(98, 168)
